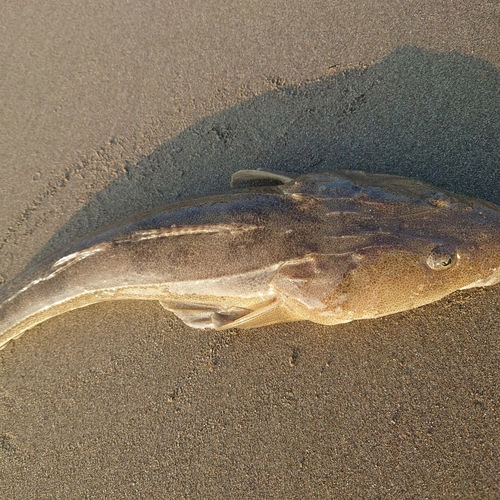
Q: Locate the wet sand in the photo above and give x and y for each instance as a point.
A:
(112, 109)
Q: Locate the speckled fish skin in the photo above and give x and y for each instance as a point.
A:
(328, 247)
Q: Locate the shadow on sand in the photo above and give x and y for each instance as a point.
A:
(422, 114)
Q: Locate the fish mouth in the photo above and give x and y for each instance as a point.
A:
(492, 279)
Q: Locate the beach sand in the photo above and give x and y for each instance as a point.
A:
(111, 108)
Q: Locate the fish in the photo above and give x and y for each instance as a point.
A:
(326, 247)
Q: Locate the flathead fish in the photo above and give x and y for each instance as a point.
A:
(327, 247)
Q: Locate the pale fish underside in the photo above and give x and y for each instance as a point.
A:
(328, 247)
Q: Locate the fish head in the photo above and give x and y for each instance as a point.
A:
(390, 278)
(412, 243)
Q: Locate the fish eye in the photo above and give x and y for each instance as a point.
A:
(441, 257)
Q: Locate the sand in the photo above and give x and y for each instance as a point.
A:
(110, 108)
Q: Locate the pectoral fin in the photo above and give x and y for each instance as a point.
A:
(219, 318)
(269, 314)
(204, 315)
(250, 175)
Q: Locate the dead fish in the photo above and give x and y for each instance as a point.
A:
(328, 247)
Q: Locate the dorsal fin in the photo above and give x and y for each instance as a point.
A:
(250, 175)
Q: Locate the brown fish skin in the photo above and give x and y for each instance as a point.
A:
(327, 247)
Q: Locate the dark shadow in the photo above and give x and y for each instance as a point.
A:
(427, 115)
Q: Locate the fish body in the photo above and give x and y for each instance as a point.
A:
(329, 247)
